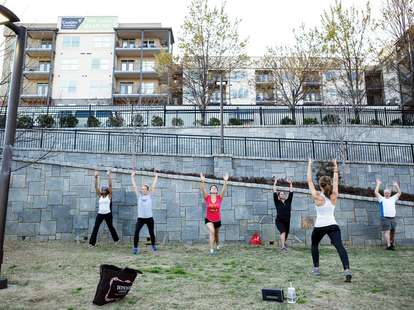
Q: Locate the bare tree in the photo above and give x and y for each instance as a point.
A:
(398, 24)
(347, 33)
(210, 46)
(295, 69)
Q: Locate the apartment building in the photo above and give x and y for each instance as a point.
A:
(92, 60)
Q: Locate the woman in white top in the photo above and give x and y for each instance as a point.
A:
(325, 223)
(105, 209)
(144, 198)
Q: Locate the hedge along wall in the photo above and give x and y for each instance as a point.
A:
(57, 201)
(353, 174)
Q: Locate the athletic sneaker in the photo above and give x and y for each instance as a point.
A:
(91, 246)
(135, 250)
(315, 271)
(348, 275)
(390, 248)
(116, 242)
(218, 247)
(153, 248)
(212, 252)
(284, 249)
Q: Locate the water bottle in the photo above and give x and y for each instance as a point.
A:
(291, 295)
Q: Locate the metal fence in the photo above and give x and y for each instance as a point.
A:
(189, 116)
(194, 145)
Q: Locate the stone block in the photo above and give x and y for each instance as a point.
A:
(18, 181)
(54, 198)
(193, 213)
(160, 216)
(47, 228)
(31, 216)
(174, 224)
(189, 199)
(232, 233)
(54, 184)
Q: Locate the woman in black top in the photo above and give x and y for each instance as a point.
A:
(283, 207)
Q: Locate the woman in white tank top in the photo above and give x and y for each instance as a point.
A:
(325, 223)
(104, 194)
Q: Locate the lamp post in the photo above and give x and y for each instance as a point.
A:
(8, 18)
(221, 83)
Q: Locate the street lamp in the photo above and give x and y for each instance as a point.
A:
(221, 83)
(8, 18)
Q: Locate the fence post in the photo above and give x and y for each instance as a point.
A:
(320, 115)
(303, 115)
(261, 116)
(412, 152)
(280, 148)
(74, 140)
(195, 116)
(165, 115)
(245, 146)
(211, 145)
(313, 149)
(386, 116)
(379, 152)
(142, 143)
(346, 150)
(176, 144)
(41, 138)
(109, 141)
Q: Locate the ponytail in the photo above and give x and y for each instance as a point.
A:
(325, 183)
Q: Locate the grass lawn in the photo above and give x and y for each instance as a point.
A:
(64, 275)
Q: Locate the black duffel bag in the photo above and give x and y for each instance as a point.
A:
(114, 284)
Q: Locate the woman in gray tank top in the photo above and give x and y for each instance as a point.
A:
(144, 207)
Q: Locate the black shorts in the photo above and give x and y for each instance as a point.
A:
(283, 225)
(389, 223)
(216, 224)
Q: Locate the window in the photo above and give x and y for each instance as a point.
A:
(148, 44)
(69, 64)
(102, 41)
(148, 88)
(46, 44)
(44, 66)
(71, 42)
(99, 64)
(148, 66)
(128, 43)
(98, 87)
(68, 86)
(125, 87)
(330, 75)
(127, 65)
(238, 75)
(42, 89)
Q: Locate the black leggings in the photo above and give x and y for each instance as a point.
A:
(334, 234)
(140, 223)
(99, 219)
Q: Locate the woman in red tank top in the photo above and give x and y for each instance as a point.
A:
(213, 210)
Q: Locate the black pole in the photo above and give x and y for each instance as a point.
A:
(9, 134)
(221, 115)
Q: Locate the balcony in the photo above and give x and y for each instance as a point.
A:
(135, 50)
(134, 72)
(264, 79)
(36, 73)
(39, 50)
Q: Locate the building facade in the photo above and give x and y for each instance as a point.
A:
(91, 60)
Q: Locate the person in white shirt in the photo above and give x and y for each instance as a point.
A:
(388, 212)
(325, 223)
(144, 198)
(104, 194)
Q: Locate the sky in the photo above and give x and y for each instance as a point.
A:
(264, 22)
